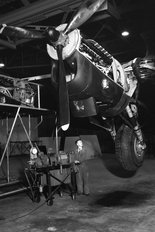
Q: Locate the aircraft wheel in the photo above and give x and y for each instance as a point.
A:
(128, 150)
(50, 202)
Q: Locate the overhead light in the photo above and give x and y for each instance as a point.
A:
(2, 64)
(33, 153)
(125, 33)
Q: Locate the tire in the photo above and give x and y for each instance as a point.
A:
(125, 159)
(128, 151)
(50, 202)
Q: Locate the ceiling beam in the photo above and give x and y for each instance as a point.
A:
(111, 9)
(5, 43)
(4, 3)
(25, 2)
(37, 11)
(132, 6)
(106, 10)
(42, 10)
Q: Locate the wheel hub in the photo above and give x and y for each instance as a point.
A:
(139, 149)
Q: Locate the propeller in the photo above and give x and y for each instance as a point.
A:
(58, 39)
(20, 33)
(64, 114)
(86, 10)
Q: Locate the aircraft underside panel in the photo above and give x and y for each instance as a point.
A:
(84, 108)
(88, 107)
(117, 109)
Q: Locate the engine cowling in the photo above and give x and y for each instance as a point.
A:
(89, 74)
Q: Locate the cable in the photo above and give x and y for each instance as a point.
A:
(27, 214)
(33, 210)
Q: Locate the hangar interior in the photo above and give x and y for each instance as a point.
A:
(33, 123)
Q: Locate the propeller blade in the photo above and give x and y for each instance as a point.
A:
(20, 33)
(85, 11)
(64, 114)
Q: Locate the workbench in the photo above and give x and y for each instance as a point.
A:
(50, 180)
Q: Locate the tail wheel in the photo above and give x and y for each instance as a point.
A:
(128, 149)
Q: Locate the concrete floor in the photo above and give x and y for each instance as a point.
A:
(114, 205)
